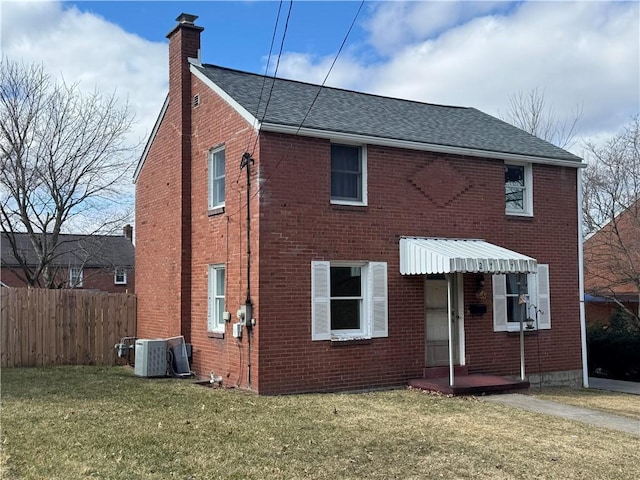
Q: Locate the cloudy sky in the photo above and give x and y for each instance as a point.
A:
(580, 54)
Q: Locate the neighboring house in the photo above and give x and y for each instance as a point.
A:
(612, 267)
(357, 239)
(90, 262)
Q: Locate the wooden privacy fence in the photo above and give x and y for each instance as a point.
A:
(41, 327)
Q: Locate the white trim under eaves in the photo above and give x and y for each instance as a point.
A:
(244, 113)
(410, 145)
(152, 137)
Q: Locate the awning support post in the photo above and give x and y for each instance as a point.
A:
(450, 328)
(522, 341)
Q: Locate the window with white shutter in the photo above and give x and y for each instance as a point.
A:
(509, 293)
(349, 300)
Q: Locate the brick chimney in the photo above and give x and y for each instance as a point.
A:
(127, 232)
(184, 44)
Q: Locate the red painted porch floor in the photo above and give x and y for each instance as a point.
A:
(476, 384)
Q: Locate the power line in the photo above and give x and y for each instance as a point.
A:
(264, 80)
(344, 41)
(275, 73)
(266, 70)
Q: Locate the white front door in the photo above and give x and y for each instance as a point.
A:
(436, 322)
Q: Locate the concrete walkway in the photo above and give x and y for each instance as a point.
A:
(615, 386)
(599, 419)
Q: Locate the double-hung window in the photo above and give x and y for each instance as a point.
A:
(348, 174)
(75, 277)
(349, 300)
(215, 303)
(518, 189)
(520, 297)
(216, 177)
(346, 299)
(120, 276)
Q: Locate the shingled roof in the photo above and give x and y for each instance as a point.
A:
(361, 114)
(97, 251)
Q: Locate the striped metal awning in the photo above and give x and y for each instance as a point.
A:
(423, 256)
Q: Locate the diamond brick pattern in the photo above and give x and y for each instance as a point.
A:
(440, 182)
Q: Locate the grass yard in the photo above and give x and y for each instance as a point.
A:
(90, 422)
(621, 404)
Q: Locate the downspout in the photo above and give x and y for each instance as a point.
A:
(583, 326)
(246, 162)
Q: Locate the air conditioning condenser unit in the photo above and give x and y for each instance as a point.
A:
(151, 357)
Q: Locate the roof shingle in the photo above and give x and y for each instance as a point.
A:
(345, 111)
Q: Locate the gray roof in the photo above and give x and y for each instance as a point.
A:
(358, 113)
(99, 251)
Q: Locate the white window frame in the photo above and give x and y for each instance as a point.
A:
(374, 303)
(215, 319)
(363, 177)
(123, 272)
(364, 275)
(213, 180)
(77, 280)
(527, 210)
(538, 304)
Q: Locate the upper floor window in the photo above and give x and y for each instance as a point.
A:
(518, 189)
(348, 175)
(216, 177)
(75, 277)
(120, 276)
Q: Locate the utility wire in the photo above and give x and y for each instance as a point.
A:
(266, 70)
(344, 41)
(264, 81)
(275, 73)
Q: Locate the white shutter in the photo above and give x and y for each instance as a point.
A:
(378, 299)
(544, 303)
(499, 303)
(320, 301)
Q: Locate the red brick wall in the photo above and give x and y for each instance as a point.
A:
(298, 225)
(222, 238)
(93, 279)
(293, 223)
(163, 206)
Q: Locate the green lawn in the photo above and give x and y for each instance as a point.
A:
(84, 422)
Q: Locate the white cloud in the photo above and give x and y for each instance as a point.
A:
(584, 53)
(395, 24)
(85, 48)
(308, 68)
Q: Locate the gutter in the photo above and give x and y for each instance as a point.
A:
(583, 325)
(411, 145)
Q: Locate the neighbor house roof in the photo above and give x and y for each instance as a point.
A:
(612, 255)
(287, 104)
(75, 250)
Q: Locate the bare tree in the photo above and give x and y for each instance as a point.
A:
(612, 218)
(530, 112)
(65, 161)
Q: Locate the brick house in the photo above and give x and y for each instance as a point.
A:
(90, 262)
(351, 229)
(612, 266)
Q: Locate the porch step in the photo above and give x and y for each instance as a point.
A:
(475, 384)
(443, 371)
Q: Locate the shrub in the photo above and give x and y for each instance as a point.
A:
(613, 350)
